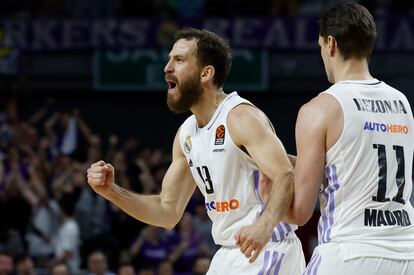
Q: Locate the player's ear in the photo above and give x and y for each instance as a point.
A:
(332, 46)
(207, 73)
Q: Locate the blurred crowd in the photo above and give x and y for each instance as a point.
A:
(53, 223)
(188, 9)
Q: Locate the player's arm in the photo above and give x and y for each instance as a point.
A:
(250, 129)
(165, 209)
(310, 132)
(265, 183)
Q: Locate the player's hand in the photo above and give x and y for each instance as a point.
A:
(101, 177)
(252, 239)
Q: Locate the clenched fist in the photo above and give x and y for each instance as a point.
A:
(101, 178)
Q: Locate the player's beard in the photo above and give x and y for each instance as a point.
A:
(188, 93)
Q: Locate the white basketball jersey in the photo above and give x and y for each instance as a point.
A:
(226, 176)
(366, 199)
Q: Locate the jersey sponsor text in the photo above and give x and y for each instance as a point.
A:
(223, 206)
(385, 128)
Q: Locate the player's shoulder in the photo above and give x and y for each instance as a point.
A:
(189, 122)
(320, 110)
(245, 123)
(244, 114)
(321, 103)
(243, 109)
(186, 128)
(392, 90)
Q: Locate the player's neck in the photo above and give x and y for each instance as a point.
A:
(353, 69)
(207, 106)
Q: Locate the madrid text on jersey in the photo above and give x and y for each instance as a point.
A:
(376, 217)
(380, 106)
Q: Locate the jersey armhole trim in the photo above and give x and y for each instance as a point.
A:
(231, 139)
(336, 144)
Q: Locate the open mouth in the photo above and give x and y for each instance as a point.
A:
(172, 85)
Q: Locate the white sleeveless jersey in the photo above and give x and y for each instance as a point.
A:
(227, 176)
(366, 196)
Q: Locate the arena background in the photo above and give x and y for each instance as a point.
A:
(101, 64)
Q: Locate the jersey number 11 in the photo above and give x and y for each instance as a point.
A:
(400, 177)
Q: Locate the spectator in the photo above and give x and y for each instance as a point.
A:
(24, 265)
(202, 224)
(165, 268)
(68, 177)
(16, 194)
(43, 226)
(150, 248)
(10, 239)
(92, 216)
(126, 269)
(59, 269)
(201, 265)
(6, 264)
(121, 171)
(187, 244)
(68, 239)
(94, 151)
(69, 133)
(97, 264)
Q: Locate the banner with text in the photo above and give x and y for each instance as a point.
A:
(395, 34)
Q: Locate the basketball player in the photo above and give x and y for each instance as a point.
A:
(358, 138)
(219, 148)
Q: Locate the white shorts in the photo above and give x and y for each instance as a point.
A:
(276, 258)
(328, 259)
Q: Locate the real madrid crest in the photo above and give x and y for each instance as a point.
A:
(187, 144)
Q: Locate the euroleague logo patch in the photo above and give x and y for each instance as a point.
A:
(220, 135)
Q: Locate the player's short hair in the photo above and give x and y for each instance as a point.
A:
(353, 27)
(212, 49)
